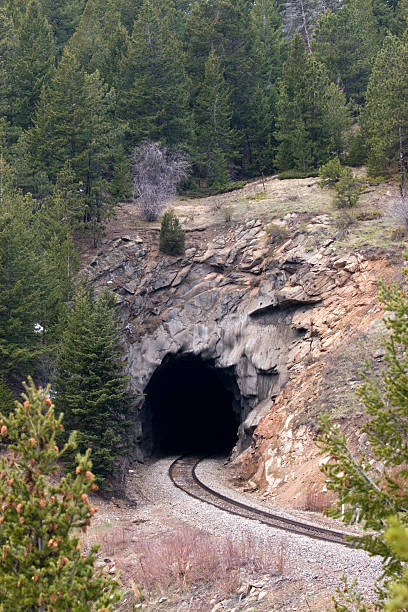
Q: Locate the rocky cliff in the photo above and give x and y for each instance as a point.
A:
(281, 302)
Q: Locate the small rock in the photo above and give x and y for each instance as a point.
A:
(162, 600)
(262, 595)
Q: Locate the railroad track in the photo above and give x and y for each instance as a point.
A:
(182, 473)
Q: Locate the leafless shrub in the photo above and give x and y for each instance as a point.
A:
(397, 209)
(156, 173)
(112, 539)
(316, 501)
(281, 557)
(188, 557)
(227, 215)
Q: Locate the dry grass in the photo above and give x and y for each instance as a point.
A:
(189, 557)
(111, 539)
(316, 501)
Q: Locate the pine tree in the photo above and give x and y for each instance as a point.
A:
(215, 138)
(75, 123)
(172, 236)
(386, 15)
(155, 90)
(347, 43)
(371, 495)
(34, 63)
(42, 566)
(90, 387)
(222, 25)
(294, 149)
(268, 54)
(6, 397)
(385, 118)
(63, 16)
(20, 294)
(110, 46)
(59, 267)
(312, 113)
(129, 10)
(8, 52)
(100, 40)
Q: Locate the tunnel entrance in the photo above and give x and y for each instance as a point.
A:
(191, 407)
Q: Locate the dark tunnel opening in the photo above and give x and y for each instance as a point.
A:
(190, 407)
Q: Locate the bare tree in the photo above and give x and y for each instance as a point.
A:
(303, 15)
(156, 174)
(397, 209)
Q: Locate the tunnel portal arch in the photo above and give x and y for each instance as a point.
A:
(191, 406)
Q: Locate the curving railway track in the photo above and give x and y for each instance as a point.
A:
(183, 475)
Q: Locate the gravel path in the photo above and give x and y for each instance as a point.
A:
(319, 565)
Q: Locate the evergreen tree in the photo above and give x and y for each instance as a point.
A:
(42, 566)
(155, 88)
(100, 40)
(110, 46)
(368, 494)
(75, 123)
(215, 138)
(20, 294)
(312, 114)
(386, 15)
(6, 397)
(33, 65)
(129, 10)
(347, 43)
(223, 26)
(172, 236)
(385, 117)
(8, 53)
(63, 16)
(90, 387)
(268, 54)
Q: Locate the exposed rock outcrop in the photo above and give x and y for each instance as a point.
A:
(264, 307)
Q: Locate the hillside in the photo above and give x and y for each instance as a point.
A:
(311, 264)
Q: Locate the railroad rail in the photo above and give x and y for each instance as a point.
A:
(183, 475)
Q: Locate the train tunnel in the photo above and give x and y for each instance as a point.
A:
(190, 407)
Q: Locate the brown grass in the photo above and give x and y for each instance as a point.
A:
(188, 557)
(316, 501)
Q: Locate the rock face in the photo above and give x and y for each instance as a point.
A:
(262, 306)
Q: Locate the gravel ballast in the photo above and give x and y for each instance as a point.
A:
(317, 564)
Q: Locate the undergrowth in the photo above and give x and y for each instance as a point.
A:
(187, 559)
